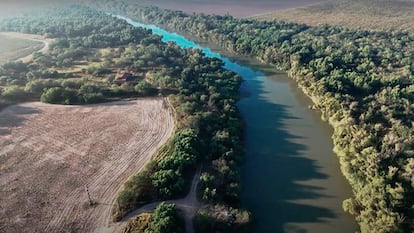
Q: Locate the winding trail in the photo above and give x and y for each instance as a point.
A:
(188, 205)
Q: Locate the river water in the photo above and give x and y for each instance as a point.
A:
(291, 178)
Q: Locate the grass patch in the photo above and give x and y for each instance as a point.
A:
(15, 48)
(138, 224)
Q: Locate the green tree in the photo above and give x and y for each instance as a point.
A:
(165, 219)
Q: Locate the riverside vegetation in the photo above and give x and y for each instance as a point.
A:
(361, 81)
(89, 50)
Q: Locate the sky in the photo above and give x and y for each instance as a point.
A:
(12, 7)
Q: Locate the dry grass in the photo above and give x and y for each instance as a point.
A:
(138, 224)
(12, 48)
(49, 154)
(28, 55)
(366, 14)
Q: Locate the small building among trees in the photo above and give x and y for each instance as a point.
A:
(125, 77)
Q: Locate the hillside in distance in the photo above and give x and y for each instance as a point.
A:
(365, 14)
(236, 8)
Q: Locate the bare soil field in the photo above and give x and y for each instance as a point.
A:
(236, 8)
(367, 14)
(50, 155)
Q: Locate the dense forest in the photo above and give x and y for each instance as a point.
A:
(361, 81)
(89, 51)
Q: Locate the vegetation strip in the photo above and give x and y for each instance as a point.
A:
(361, 81)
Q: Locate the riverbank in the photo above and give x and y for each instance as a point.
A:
(374, 139)
(276, 113)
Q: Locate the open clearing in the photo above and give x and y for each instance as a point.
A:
(49, 154)
(367, 14)
(12, 48)
(16, 45)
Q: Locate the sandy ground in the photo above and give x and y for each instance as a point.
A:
(236, 8)
(49, 155)
(31, 37)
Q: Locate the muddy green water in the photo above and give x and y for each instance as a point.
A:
(291, 178)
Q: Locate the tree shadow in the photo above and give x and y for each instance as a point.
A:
(12, 116)
(275, 164)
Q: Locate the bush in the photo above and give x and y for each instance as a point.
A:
(165, 219)
(14, 93)
(92, 98)
(220, 218)
(136, 192)
(145, 89)
(59, 95)
(139, 224)
(37, 86)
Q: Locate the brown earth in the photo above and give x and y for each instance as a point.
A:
(367, 14)
(236, 8)
(50, 154)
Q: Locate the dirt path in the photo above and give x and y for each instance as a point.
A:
(31, 37)
(49, 155)
(188, 205)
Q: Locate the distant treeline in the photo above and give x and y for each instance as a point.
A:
(361, 81)
(375, 15)
(90, 47)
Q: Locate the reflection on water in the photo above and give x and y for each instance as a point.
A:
(291, 178)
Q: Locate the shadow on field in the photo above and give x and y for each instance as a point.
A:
(275, 165)
(12, 116)
(111, 103)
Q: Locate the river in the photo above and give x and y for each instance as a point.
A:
(291, 178)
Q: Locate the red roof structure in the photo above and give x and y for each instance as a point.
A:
(125, 77)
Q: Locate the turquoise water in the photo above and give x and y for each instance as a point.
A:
(291, 178)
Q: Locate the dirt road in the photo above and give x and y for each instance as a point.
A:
(50, 154)
(188, 205)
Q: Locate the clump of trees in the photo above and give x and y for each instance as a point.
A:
(218, 218)
(361, 81)
(165, 218)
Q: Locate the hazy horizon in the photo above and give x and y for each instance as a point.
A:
(237, 8)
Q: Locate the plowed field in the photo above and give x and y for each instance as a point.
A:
(50, 155)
